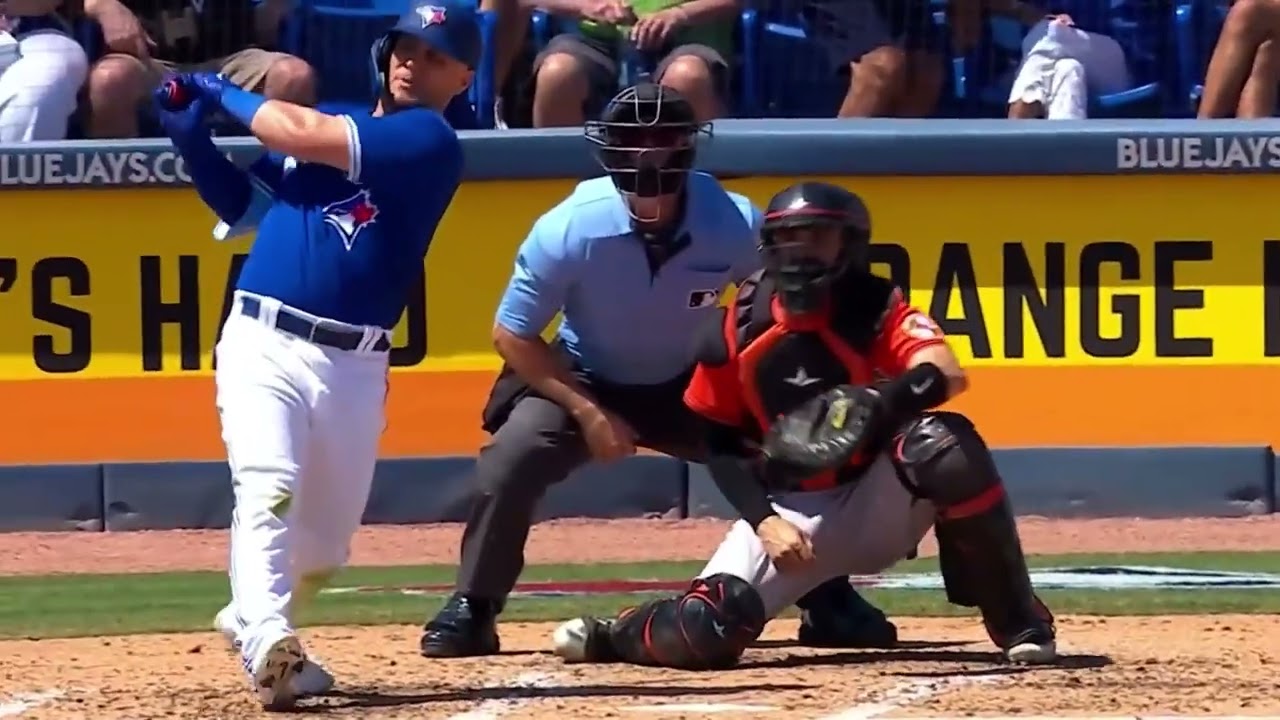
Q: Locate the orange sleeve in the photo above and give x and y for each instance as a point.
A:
(715, 393)
(904, 331)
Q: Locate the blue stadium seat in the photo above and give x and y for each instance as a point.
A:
(1201, 36)
(787, 74)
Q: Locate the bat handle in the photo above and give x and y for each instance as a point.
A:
(175, 96)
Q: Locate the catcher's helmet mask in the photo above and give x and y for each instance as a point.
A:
(794, 226)
(448, 29)
(646, 140)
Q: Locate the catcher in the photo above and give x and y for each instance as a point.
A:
(854, 470)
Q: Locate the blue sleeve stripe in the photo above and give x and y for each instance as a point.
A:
(353, 149)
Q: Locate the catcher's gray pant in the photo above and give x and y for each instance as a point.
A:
(858, 528)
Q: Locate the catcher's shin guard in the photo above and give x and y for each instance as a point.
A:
(706, 628)
(944, 459)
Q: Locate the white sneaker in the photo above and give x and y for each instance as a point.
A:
(273, 670)
(312, 679)
(1033, 653)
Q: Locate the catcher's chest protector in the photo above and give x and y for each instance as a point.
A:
(784, 361)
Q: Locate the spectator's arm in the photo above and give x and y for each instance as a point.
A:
(555, 7)
(700, 11)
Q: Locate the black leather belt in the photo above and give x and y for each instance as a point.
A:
(316, 332)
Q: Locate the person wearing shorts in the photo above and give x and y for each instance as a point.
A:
(147, 39)
(891, 50)
(684, 44)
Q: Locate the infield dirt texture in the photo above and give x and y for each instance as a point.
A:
(1183, 665)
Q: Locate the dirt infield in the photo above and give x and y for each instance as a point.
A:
(1220, 665)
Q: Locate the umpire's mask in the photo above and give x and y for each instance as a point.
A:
(646, 140)
(812, 234)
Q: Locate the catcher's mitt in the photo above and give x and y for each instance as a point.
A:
(825, 432)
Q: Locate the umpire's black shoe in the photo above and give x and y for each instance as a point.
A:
(838, 617)
(464, 627)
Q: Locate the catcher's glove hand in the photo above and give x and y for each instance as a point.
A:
(825, 432)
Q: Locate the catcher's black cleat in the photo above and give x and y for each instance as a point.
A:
(464, 627)
(1032, 641)
(834, 615)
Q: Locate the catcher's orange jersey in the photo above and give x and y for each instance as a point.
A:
(773, 361)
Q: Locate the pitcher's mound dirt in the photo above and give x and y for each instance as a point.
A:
(1156, 665)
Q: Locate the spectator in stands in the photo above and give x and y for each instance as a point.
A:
(689, 40)
(1244, 70)
(1062, 66)
(892, 50)
(146, 38)
(41, 71)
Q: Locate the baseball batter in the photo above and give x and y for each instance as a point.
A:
(350, 204)
(635, 262)
(858, 464)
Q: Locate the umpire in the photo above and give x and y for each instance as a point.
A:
(635, 261)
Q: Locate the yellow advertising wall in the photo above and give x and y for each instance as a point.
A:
(1092, 310)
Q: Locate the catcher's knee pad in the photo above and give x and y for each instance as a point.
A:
(941, 458)
(706, 628)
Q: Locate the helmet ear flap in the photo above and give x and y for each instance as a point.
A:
(380, 56)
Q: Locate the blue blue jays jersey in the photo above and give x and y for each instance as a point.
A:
(349, 246)
(622, 322)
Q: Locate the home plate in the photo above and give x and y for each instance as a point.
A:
(700, 708)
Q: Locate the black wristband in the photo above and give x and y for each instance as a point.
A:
(921, 388)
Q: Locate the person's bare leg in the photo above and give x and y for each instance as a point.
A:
(875, 83)
(1258, 99)
(561, 92)
(1249, 24)
(923, 85)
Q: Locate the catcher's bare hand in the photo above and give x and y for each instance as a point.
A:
(825, 432)
(787, 545)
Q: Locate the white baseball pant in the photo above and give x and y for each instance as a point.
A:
(859, 528)
(301, 423)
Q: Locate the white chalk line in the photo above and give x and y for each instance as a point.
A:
(708, 708)
(496, 708)
(905, 694)
(23, 702)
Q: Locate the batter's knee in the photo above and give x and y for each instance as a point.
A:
(706, 628)
(944, 459)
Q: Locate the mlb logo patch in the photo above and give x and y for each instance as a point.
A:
(703, 299)
(431, 15)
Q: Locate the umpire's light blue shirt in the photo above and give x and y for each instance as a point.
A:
(623, 324)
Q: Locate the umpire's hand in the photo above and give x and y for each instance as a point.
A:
(608, 436)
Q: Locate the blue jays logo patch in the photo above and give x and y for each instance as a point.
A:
(350, 216)
(431, 15)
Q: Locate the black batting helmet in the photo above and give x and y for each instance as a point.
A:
(646, 140)
(801, 275)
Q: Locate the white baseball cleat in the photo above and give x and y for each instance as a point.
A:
(273, 671)
(582, 640)
(1033, 653)
(312, 679)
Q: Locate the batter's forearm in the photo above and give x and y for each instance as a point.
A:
(535, 362)
(221, 185)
